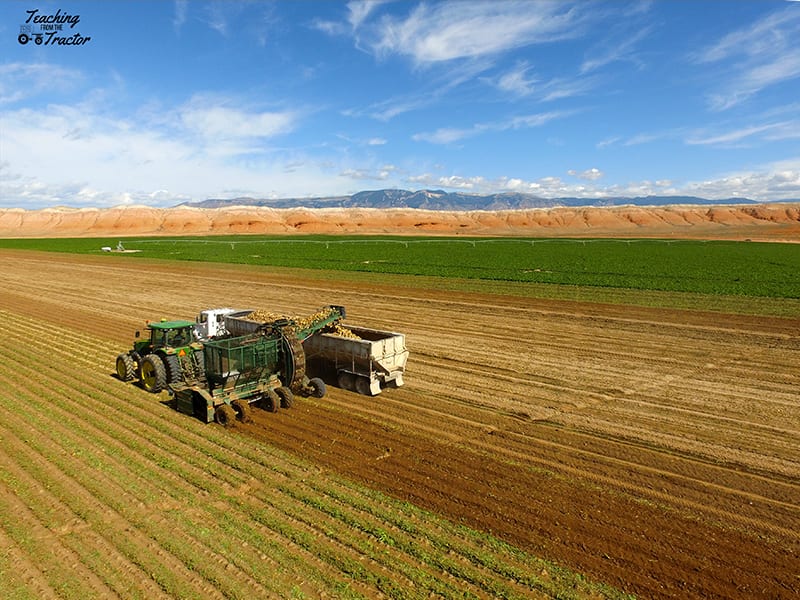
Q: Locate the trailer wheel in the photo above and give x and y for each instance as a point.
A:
(362, 386)
(225, 415)
(126, 369)
(271, 402)
(242, 410)
(346, 381)
(318, 389)
(286, 397)
(154, 374)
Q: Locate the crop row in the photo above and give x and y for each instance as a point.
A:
(130, 497)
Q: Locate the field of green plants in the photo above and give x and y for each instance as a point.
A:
(705, 267)
(105, 492)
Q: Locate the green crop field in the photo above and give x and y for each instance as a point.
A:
(718, 268)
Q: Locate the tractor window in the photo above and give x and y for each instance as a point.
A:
(157, 338)
(180, 337)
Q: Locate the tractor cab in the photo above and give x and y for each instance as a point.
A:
(166, 335)
(169, 355)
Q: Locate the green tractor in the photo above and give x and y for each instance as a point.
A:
(170, 353)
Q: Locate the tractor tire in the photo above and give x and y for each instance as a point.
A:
(154, 374)
(362, 386)
(318, 388)
(173, 365)
(270, 402)
(286, 397)
(346, 381)
(242, 410)
(225, 415)
(126, 368)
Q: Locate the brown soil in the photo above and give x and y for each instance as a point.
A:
(767, 222)
(652, 449)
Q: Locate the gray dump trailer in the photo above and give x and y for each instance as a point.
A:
(365, 365)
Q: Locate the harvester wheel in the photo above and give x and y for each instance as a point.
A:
(346, 381)
(242, 410)
(318, 389)
(286, 397)
(362, 386)
(154, 374)
(126, 368)
(271, 402)
(225, 415)
(173, 368)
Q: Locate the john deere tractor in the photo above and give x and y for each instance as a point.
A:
(170, 353)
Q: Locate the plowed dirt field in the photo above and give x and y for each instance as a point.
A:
(657, 451)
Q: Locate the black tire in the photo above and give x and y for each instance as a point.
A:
(173, 365)
(286, 397)
(126, 368)
(318, 388)
(154, 374)
(242, 410)
(362, 386)
(225, 415)
(201, 364)
(346, 381)
(271, 402)
(23, 38)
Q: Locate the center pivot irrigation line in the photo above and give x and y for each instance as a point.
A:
(405, 243)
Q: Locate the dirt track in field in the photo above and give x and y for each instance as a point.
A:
(654, 450)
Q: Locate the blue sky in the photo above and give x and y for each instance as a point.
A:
(175, 101)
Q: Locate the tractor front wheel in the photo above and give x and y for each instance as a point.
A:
(154, 374)
(126, 368)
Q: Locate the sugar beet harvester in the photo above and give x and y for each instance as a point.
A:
(218, 379)
(229, 359)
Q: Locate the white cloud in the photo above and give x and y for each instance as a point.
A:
(621, 48)
(80, 156)
(516, 81)
(455, 30)
(773, 182)
(761, 55)
(592, 174)
(181, 9)
(223, 123)
(20, 81)
(359, 10)
(447, 135)
(736, 136)
(381, 174)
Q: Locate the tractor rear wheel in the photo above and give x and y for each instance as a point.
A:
(126, 368)
(225, 415)
(242, 410)
(154, 374)
(286, 397)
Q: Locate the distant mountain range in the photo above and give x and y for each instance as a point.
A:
(441, 200)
